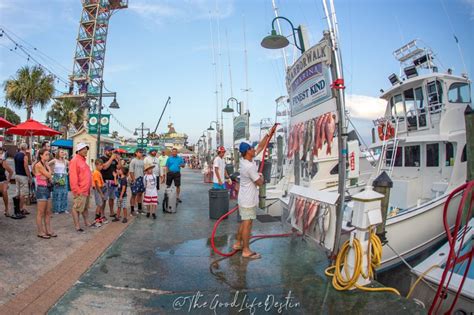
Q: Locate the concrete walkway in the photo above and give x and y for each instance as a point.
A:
(167, 267)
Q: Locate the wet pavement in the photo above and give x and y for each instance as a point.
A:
(167, 267)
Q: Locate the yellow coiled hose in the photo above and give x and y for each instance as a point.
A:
(342, 282)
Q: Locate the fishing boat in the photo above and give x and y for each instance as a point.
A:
(421, 141)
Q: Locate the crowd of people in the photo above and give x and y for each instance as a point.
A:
(47, 178)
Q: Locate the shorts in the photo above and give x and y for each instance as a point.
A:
(43, 193)
(248, 213)
(150, 200)
(110, 190)
(80, 203)
(138, 186)
(99, 201)
(162, 170)
(173, 177)
(217, 186)
(22, 185)
(123, 203)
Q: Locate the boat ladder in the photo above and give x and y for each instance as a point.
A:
(389, 151)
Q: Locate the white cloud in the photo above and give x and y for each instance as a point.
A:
(365, 107)
(470, 4)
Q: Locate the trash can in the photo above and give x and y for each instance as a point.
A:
(218, 203)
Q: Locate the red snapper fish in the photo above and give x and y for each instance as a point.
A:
(330, 128)
(312, 211)
(290, 142)
(322, 131)
(317, 134)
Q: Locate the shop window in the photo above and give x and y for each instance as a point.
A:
(412, 155)
(459, 93)
(449, 154)
(432, 155)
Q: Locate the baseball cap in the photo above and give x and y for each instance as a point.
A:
(221, 149)
(153, 150)
(139, 150)
(109, 148)
(245, 146)
(81, 146)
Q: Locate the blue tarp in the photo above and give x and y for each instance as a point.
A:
(62, 143)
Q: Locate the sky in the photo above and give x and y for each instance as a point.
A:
(177, 48)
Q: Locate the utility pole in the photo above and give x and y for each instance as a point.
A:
(99, 118)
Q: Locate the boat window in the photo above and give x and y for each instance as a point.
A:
(409, 96)
(449, 154)
(459, 93)
(420, 105)
(432, 154)
(412, 155)
(398, 157)
(464, 155)
(335, 170)
(435, 93)
(397, 106)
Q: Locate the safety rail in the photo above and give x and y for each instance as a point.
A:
(454, 257)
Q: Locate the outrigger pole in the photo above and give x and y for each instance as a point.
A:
(159, 120)
(338, 86)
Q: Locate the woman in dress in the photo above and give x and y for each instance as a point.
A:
(4, 180)
(43, 176)
(59, 166)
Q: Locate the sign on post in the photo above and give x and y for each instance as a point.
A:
(241, 127)
(142, 142)
(94, 123)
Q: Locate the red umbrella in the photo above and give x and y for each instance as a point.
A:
(5, 123)
(119, 150)
(31, 128)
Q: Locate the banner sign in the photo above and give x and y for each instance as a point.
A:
(94, 122)
(241, 127)
(308, 79)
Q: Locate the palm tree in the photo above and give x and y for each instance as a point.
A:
(68, 113)
(31, 87)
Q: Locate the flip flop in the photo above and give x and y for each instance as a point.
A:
(24, 211)
(253, 256)
(7, 215)
(52, 235)
(46, 237)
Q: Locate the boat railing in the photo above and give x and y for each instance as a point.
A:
(464, 212)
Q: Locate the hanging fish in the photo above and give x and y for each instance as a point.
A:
(305, 141)
(316, 135)
(330, 128)
(312, 211)
(290, 142)
(322, 131)
(310, 146)
(301, 139)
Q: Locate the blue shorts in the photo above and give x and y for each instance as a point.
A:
(43, 193)
(217, 186)
(138, 186)
(110, 190)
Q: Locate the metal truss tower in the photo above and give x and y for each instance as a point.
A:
(89, 55)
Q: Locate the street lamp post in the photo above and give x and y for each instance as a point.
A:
(219, 133)
(142, 130)
(276, 41)
(229, 109)
(113, 105)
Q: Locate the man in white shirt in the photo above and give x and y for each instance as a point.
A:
(250, 179)
(153, 159)
(220, 173)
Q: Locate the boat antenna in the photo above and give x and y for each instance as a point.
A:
(283, 50)
(214, 64)
(341, 112)
(219, 130)
(455, 37)
(247, 89)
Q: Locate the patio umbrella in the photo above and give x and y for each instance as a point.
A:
(5, 123)
(119, 150)
(32, 128)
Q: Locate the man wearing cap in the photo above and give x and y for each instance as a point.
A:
(80, 180)
(154, 160)
(220, 173)
(111, 162)
(250, 179)
(174, 163)
(136, 176)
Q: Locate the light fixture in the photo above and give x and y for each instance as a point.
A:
(47, 122)
(114, 104)
(135, 133)
(410, 72)
(210, 128)
(394, 79)
(228, 109)
(274, 41)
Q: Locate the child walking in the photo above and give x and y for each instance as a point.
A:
(150, 200)
(99, 190)
(122, 195)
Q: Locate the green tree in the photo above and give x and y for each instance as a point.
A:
(31, 87)
(11, 116)
(68, 113)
